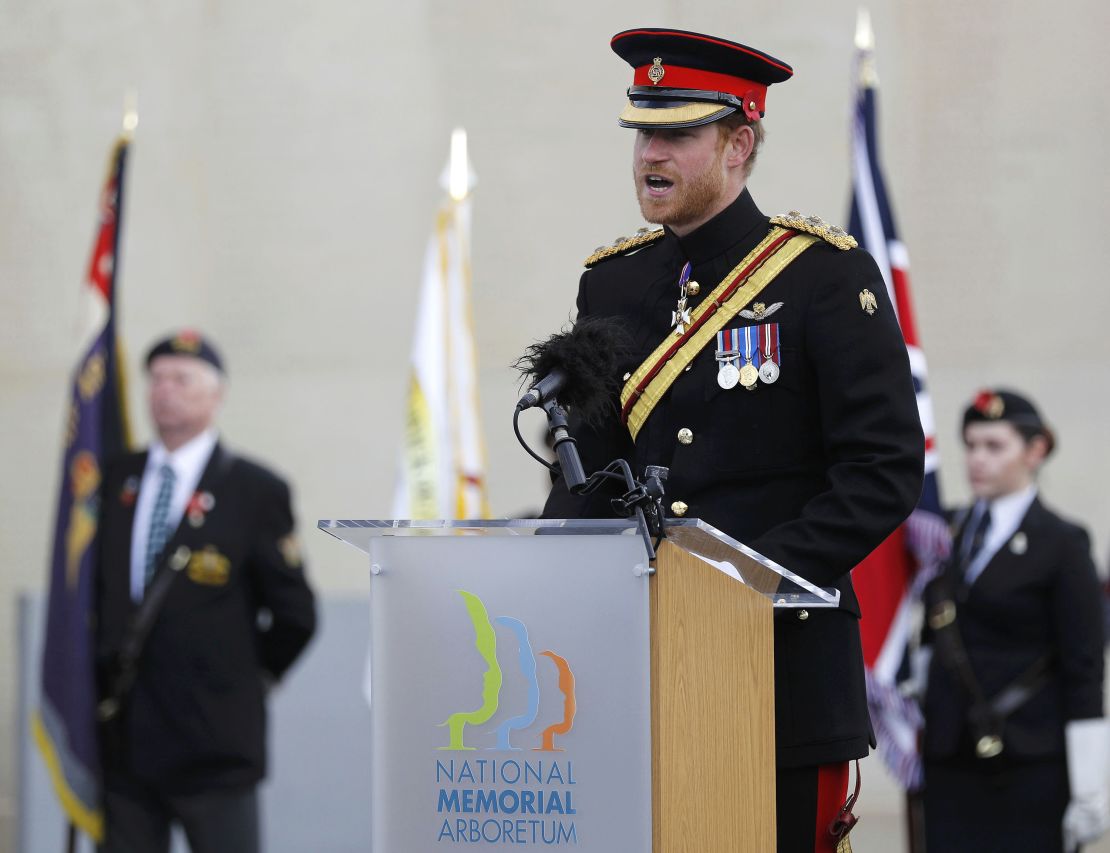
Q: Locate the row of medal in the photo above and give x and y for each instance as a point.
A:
(747, 355)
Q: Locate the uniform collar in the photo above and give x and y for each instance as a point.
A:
(726, 229)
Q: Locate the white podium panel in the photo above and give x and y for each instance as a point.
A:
(510, 700)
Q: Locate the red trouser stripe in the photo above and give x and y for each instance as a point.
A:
(832, 793)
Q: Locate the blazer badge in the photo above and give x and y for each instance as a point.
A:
(868, 302)
(209, 567)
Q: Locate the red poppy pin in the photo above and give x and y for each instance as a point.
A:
(198, 506)
(989, 404)
(129, 492)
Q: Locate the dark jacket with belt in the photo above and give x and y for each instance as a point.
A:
(813, 471)
(237, 615)
(1037, 596)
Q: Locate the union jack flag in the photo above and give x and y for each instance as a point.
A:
(889, 580)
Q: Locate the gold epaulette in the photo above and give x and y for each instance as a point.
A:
(818, 227)
(621, 245)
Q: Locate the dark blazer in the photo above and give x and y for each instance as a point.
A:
(196, 716)
(1037, 595)
(813, 471)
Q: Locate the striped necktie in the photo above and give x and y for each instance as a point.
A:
(159, 519)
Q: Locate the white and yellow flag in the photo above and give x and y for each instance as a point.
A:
(442, 466)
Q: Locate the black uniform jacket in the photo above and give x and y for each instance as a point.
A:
(196, 716)
(813, 471)
(1038, 595)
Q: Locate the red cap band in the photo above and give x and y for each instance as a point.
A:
(677, 77)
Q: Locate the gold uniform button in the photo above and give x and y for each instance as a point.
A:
(803, 615)
(679, 508)
(693, 288)
(685, 436)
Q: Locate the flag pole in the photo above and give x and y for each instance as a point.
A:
(867, 82)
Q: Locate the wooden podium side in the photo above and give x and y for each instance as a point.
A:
(712, 710)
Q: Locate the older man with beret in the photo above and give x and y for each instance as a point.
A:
(202, 604)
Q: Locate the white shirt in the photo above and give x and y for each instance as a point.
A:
(1006, 515)
(188, 463)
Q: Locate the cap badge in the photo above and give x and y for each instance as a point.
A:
(867, 301)
(989, 405)
(186, 341)
(656, 72)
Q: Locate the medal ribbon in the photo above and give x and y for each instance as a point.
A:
(727, 345)
(651, 380)
(769, 343)
(751, 347)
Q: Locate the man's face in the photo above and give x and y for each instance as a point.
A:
(999, 459)
(681, 176)
(184, 395)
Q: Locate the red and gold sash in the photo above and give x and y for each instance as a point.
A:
(650, 381)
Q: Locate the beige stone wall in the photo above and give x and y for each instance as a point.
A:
(285, 172)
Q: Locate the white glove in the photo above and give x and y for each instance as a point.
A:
(1088, 813)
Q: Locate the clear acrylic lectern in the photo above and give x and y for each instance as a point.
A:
(539, 682)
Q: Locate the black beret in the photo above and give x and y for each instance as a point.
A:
(684, 79)
(1009, 406)
(187, 342)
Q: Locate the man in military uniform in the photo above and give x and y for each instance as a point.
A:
(771, 378)
(202, 604)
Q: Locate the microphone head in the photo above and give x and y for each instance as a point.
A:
(594, 354)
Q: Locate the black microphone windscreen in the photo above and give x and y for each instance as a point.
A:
(593, 353)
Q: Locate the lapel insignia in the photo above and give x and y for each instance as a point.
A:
(867, 301)
(180, 558)
(1019, 544)
(209, 567)
(759, 311)
(199, 505)
(129, 492)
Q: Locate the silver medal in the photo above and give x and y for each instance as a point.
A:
(769, 372)
(728, 375)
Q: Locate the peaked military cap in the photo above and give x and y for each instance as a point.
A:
(685, 79)
(1002, 405)
(187, 342)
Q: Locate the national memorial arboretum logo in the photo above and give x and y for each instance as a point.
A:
(526, 800)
